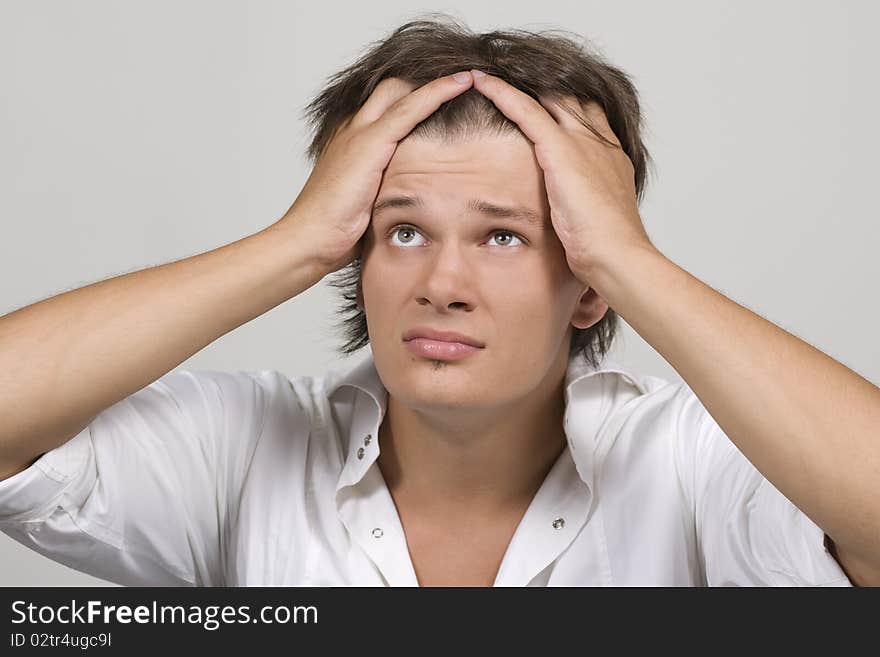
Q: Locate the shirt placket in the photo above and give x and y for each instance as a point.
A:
(365, 506)
(554, 518)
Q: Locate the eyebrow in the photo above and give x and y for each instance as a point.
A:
(514, 212)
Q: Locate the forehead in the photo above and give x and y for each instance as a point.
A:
(503, 170)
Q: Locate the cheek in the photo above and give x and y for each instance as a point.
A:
(543, 299)
(382, 282)
(529, 300)
(375, 269)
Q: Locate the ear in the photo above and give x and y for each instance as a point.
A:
(589, 310)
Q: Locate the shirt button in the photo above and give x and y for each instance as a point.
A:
(377, 532)
(368, 439)
(360, 452)
(559, 523)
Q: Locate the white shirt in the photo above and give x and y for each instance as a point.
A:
(213, 478)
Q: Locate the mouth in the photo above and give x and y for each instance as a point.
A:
(429, 333)
(440, 349)
(438, 344)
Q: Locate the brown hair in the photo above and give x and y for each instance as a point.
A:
(548, 62)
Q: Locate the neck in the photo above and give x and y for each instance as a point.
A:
(471, 461)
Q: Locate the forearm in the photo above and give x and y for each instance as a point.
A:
(809, 424)
(65, 359)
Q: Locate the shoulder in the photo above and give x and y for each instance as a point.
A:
(635, 414)
(662, 399)
(619, 390)
(241, 388)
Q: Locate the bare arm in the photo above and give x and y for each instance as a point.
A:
(65, 359)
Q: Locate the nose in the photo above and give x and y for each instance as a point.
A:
(447, 280)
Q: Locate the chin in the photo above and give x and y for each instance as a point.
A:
(448, 381)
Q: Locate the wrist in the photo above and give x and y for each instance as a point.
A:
(610, 263)
(301, 261)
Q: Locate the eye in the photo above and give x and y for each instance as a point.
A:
(507, 232)
(406, 229)
(410, 230)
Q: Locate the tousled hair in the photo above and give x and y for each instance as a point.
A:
(547, 62)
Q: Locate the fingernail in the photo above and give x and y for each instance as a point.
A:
(478, 73)
(462, 77)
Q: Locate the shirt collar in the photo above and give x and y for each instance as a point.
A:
(592, 395)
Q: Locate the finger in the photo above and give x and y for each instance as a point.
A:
(596, 116)
(566, 110)
(403, 115)
(386, 93)
(519, 107)
(562, 108)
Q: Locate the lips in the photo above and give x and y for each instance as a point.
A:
(444, 336)
(440, 349)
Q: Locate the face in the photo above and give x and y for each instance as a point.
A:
(503, 281)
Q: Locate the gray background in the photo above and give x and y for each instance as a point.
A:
(136, 134)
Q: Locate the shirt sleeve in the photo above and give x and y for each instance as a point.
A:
(748, 533)
(146, 494)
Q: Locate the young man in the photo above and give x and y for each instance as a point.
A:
(471, 447)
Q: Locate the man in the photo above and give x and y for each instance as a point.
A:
(495, 456)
